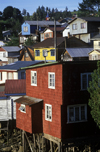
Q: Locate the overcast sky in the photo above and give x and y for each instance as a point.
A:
(32, 5)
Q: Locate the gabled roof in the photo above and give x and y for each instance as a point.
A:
(49, 42)
(28, 100)
(1, 49)
(18, 65)
(79, 52)
(58, 29)
(42, 23)
(89, 19)
(96, 37)
(11, 48)
(15, 86)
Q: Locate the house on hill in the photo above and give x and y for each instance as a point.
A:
(32, 28)
(14, 89)
(73, 54)
(49, 33)
(12, 53)
(62, 89)
(48, 45)
(84, 28)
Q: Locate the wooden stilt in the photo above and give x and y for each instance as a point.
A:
(34, 142)
(23, 141)
(7, 132)
(51, 148)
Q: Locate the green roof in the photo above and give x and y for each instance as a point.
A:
(40, 65)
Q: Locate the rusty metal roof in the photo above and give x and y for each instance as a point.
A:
(15, 86)
(28, 100)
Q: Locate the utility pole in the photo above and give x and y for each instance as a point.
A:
(55, 40)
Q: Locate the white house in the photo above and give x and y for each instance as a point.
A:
(84, 28)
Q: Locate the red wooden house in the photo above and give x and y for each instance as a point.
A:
(63, 88)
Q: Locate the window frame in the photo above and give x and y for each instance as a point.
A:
(24, 107)
(83, 25)
(74, 26)
(37, 52)
(33, 84)
(89, 73)
(74, 113)
(51, 86)
(53, 52)
(46, 118)
(25, 29)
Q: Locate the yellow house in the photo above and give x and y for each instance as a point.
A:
(45, 50)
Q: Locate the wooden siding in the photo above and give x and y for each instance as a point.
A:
(49, 96)
(73, 95)
(26, 123)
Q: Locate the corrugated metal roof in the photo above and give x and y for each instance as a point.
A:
(19, 64)
(11, 48)
(79, 52)
(96, 37)
(49, 42)
(42, 23)
(2, 94)
(58, 29)
(28, 100)
(15, 86)
(89, 19)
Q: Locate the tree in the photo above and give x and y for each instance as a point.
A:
(8, 12)
(24, 12)
(94, 90)
(14, 42)
(29, 42)
(88, 7)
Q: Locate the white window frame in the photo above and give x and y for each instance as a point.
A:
(48, 112)
(74, 113)
(83, 25)
(4, 54)
(25, 28)
(94, 56)
(86, 80)
(22, 108)
(35, 77)
(51, 86)
(74, 26)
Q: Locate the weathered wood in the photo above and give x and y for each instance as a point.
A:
(34, 142)
(51, 148)
(23, 141)
(28, 142)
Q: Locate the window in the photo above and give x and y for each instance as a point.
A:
(37, 52)
(34, 78)
(25, 29)
(22, 108)
(94, 56)
(10, 75)
(4, 54)
(76, 113)
(74, 26)
(48, 112)
(83, 25)
(50, 34)
(85, 78)
(51, 80)
(46, 35)
(0, 75)
(52, 52)
(22, 75)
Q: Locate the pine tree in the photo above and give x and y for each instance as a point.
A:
(94, 90)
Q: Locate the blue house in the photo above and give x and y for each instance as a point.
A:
(30, 27)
